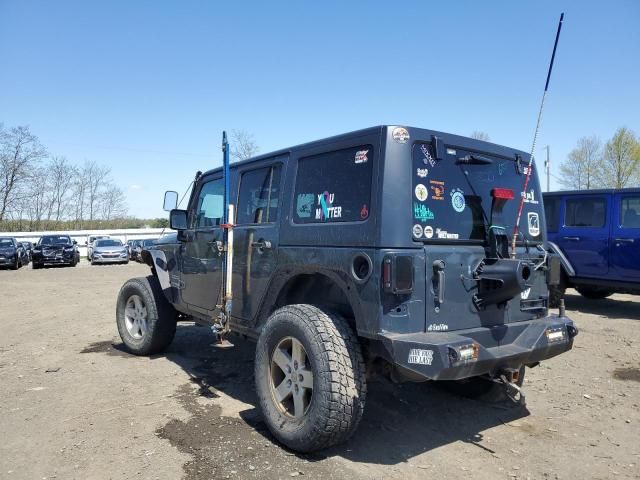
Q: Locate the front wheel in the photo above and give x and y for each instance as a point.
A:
(310, 377)
(146, 320)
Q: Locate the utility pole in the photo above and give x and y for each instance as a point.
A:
(547, 167)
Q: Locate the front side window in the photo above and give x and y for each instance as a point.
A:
(258, 198)
(209, 205)
(630, 212)
(334, 187)
(585, 212)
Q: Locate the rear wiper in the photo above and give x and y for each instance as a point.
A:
(473, 160)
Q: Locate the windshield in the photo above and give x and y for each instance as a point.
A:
(108, 243)
(453, 197)
(55, 240)
(6, 242)
(147, 243)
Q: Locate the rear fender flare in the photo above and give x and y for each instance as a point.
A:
(564, 261)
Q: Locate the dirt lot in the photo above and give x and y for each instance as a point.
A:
(74, 405)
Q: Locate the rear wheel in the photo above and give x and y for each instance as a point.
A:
(594, 293)
(310, 377)
(146, 320)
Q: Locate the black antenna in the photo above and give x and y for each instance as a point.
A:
(535, 138)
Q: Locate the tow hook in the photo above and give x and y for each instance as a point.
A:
(511, 389)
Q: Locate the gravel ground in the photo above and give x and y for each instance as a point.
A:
(73, 404)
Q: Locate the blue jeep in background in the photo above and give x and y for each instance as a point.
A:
(596, 233)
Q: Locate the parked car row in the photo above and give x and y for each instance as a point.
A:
(60, 249)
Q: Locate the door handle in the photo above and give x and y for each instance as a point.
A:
(573, 239)
(625, 240)
(262, 244)
(439, 280)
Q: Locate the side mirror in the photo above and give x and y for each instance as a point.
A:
(75, 242)
(170, 200)
(178, 219)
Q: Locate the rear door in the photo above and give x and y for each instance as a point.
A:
(625, 238)
(584, 237)
(256, 235)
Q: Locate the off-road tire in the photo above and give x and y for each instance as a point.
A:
(479, 388)
(36, 265)
(161, 316)
(339, 385)
(594, 293)
(556, 293)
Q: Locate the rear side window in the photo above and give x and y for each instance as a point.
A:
(585, 212)
(334, 187)
(210, 204)
(258, 199)
(630, 212)
(552, 213)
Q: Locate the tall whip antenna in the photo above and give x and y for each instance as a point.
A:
(533, 146)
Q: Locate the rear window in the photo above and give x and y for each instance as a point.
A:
(552, 213)
(630, 212)
(258, 199)
(452, 197)
(585, 212)
(334, 187)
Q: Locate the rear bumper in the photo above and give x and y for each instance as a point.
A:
(432, 355)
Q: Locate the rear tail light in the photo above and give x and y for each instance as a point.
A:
(502, 193)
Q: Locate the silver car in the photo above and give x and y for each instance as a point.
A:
(109, 250)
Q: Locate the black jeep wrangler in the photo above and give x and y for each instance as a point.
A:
(387, 248)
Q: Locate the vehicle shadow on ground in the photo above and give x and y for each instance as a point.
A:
(613, 308)
(400, 421)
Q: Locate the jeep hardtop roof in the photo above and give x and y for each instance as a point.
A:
(422, 133)
(598, 191)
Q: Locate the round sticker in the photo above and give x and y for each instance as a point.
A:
(457, 200)
(417, 230)
(428, 231)
(421, 192)
(400, 134)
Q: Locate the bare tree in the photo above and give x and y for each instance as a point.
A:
(478, 135)
(62, 175)
(580, 170)
(243, 145)
(620, 166)
(95, 177)
(113, 203)
(20, 151)
(37, 195)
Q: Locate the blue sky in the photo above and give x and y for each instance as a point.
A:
(147, 87)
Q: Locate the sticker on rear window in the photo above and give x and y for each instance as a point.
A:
(420, 357)
(421, 192)
(437, 189)
(428, 231)
(457, 200)
(417, 230)
(361, 156)
(530, 197)
(533, 221)
(422, 172)
(422, 212)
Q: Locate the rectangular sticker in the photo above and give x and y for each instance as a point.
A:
(420, 357)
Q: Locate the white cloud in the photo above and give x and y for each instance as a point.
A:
(135, 188)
